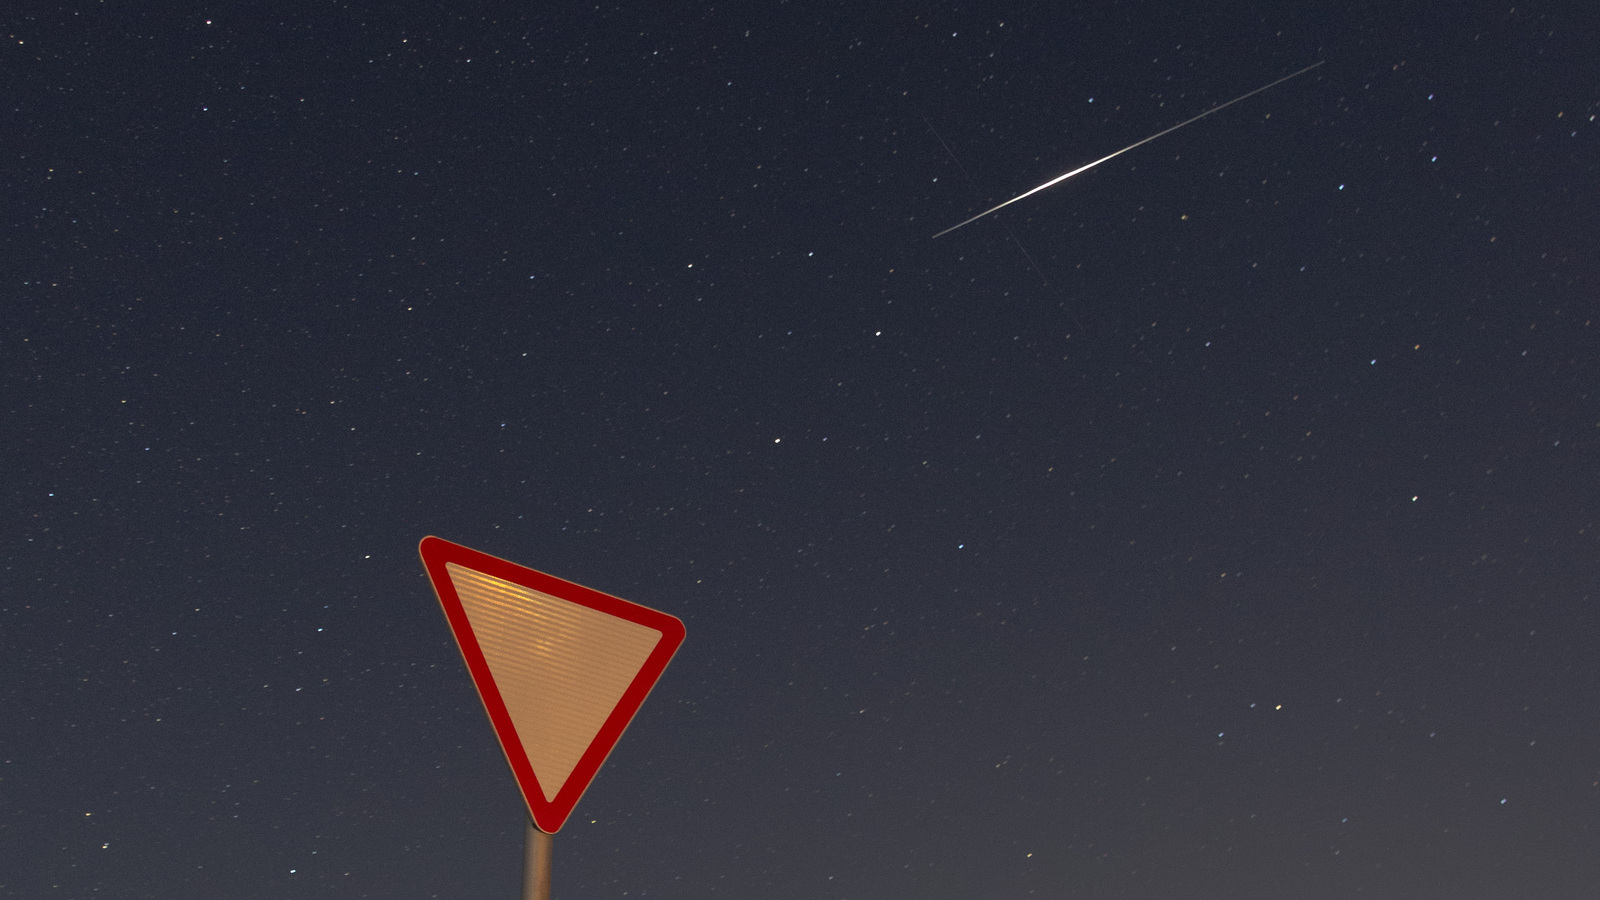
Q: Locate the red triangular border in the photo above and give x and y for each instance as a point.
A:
(548, 816)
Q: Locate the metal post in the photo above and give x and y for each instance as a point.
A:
(536, 864)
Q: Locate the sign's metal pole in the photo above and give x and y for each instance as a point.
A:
(536, 864)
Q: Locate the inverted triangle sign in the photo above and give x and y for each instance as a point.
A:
(561, 668)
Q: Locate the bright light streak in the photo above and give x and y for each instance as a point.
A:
(1081, 169)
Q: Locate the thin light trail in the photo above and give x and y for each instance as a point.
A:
(1014, 239)
(1081, 169)
(970, 180)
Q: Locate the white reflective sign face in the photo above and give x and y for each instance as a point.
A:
(560, 667)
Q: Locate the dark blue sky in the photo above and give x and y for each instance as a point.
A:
(1219, 523)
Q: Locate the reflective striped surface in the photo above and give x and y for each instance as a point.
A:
(560, 667)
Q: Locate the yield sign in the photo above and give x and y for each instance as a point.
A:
(561, 668)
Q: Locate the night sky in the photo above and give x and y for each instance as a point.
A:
(1223, 522)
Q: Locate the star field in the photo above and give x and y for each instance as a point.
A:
(1221, 522)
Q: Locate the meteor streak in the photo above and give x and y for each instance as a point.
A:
(1081, 169)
